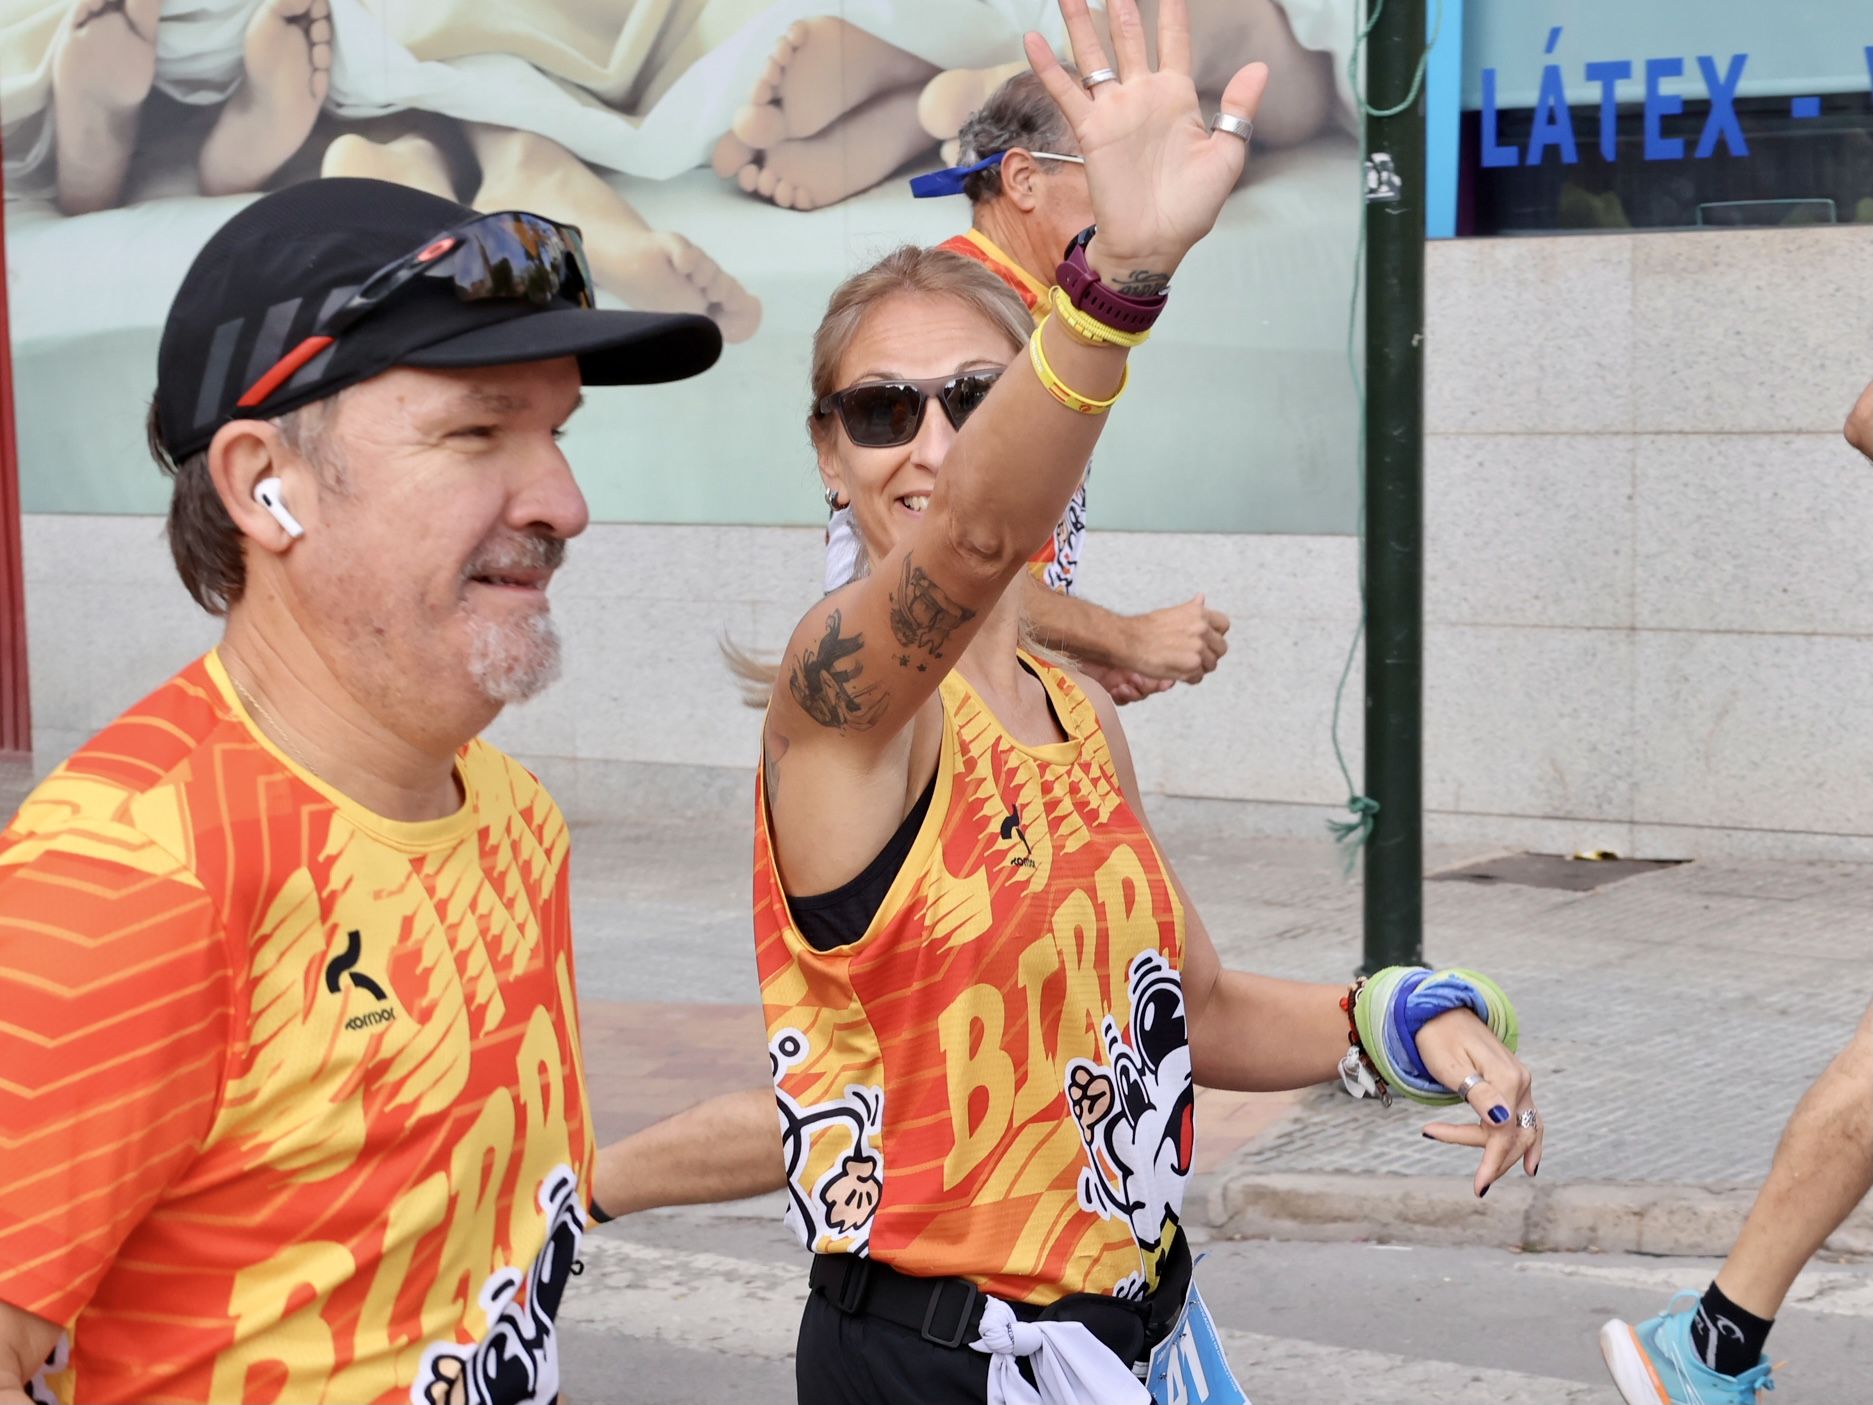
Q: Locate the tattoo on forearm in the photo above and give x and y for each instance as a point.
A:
(773, 746)
(831, 695)
(923, 616)
(1143, 283)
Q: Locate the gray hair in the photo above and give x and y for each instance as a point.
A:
(1019, 113)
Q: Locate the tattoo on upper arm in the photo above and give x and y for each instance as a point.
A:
(923, 616)
(1143, 283)
(830, 694)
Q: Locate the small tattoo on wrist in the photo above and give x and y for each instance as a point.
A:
(1143, 283)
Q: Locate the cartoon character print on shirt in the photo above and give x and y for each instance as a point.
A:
(1136, 1113)
(516, 1362)
(837, 1212)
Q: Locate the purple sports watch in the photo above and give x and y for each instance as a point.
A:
(1120, 311)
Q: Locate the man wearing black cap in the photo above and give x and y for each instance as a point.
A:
(289, 1056)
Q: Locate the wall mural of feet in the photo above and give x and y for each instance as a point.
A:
(288, 72)
(594, 112)
(104, 65)
(822, 69)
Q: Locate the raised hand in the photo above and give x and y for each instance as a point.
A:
(1158, 175)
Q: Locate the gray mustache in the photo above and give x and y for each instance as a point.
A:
(517, 554)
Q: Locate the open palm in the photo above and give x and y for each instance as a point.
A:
(1158, 176)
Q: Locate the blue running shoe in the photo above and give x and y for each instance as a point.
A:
(1655, 1363)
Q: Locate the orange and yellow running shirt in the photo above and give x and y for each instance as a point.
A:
(1059, 557)
(290, 1093)
(994, 1081)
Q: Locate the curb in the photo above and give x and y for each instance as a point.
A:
(1699, 1221)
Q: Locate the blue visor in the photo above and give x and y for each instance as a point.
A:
(949, 181)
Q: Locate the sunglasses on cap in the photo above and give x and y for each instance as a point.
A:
(885, 414)
(509, 255)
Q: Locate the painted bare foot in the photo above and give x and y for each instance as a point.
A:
(662, 272)
(854, 155)
(652, 270)
(822, 69)
(949, 99)
(105, 64)
(288, 55)
(413, 161)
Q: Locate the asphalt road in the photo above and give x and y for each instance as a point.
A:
(702, 1306)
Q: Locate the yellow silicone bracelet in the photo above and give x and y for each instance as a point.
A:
(1091, 328)
(1063, 392)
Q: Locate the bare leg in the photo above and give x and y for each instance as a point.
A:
(853, 155)
(653, 270)
(411, 160)
(1823, 1168)
(288, 57)
(106, 62)
(822, 69)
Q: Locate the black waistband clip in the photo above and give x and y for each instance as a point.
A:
(852, 1287)
(970, 1296)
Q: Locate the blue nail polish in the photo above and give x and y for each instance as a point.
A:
(1499, 1114)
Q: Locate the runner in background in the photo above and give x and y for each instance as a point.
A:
(1028, 198)
(1708, 1350)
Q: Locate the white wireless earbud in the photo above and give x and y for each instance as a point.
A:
(268, 493)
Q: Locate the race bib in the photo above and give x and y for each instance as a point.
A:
(1188, 1366)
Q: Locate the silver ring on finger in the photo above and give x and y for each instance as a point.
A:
(1527, 1120)
(1463, 1088)
(1232, 124)
(1098, 76)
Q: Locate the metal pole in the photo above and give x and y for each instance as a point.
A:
(1394, 467)
(15, 695)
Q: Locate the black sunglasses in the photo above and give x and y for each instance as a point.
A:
(506, 255)
(885, 414)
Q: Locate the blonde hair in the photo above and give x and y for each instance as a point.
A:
(908, 269)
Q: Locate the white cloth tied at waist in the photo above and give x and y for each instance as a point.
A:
(1072, 1366)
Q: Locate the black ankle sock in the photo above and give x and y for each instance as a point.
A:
(1727, 1339)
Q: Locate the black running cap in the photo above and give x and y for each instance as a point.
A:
(266, 279)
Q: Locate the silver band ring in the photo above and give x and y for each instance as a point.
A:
(1527, 1121)
(1232, 124)
(1098, 76)
(1463, 1088)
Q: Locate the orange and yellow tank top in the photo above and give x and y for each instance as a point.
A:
(994, 1081)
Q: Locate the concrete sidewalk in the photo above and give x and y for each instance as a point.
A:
(1672, 1020)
